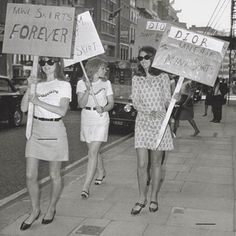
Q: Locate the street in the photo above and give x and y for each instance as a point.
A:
(12, 146)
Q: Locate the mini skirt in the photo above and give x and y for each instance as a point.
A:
(48, 141)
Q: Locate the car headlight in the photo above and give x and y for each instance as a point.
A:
(128, 107)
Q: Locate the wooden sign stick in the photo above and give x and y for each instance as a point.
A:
(169, 111)
(92, 92)
(29, 124)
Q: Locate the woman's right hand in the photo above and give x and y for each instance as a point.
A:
(88, 85)
(32, 80)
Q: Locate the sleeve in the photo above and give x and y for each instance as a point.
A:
(166, 88)
(66, 91)
(80, 87)
(136, 100)
(109, 90)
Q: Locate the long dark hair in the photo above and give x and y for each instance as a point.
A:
(58, 73)
(151, 51)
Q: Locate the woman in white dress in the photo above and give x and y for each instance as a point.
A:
(48, 141)
(94, 117)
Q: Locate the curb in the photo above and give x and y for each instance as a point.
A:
(13, 197)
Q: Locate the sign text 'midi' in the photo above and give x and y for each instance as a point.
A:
(38, 33)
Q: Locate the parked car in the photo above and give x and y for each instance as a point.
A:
(10, 99)
(20, 83)
(123, 114)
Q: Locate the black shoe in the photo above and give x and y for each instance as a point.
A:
(25, 226)
(48, 221)
(153, 209)
(216, 121)
(212, 120)
(141, 206)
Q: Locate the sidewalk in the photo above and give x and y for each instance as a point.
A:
(197, 197)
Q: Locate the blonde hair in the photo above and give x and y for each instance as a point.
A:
(92, 66)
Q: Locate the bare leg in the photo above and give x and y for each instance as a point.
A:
(33, 187)
(93, 151)
(56, 185)
(193, 124)
(176, 125)
(142, 162)
(100, 167)
(156, 158)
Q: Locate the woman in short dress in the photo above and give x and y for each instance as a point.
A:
(185, 110)
(151, 95)
(48, 140)
(94, 117)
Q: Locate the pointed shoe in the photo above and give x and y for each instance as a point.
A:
(48, 221)
(25, 226)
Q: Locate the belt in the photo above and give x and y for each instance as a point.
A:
(47, 119)
(91, 108)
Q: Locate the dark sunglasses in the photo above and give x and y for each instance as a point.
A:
(50, 62)
(146, 57)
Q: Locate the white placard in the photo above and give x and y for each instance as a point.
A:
(87, 43)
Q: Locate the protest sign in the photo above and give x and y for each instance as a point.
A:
(86, 42)
(191, 55)
(149, 33)
(38, 30)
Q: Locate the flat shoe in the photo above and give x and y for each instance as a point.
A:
(48, 221)
(99, 181)
(84, 194)
(25, 226)
(141, 206)
(153, 209)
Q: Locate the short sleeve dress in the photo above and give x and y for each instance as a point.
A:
(151, 93)
(94, 127)
(49, 138)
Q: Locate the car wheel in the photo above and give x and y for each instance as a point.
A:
(16, 118)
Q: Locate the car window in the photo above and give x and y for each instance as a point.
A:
(4, 86)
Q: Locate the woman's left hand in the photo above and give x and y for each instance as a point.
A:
(157, 115)
(99, 109)
(176, 96)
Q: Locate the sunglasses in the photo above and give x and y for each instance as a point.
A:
(50, 62)
(146, 57)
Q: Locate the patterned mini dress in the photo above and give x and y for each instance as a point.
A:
(151, 93)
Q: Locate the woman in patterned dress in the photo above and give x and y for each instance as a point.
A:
(151, 95)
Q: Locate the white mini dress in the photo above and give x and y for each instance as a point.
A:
(94, 127)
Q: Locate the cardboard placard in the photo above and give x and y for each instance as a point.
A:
(86, 42)
(191, 55)
(38, 30)
(149, 33)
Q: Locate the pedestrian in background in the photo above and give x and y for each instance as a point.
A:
(48, 141)
(218, 100)
(151, 95)
(208, 92)
(185, 110)
(94, 117)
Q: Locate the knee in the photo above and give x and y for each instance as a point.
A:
(31, 177)
(142, 165)
(55, 177)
